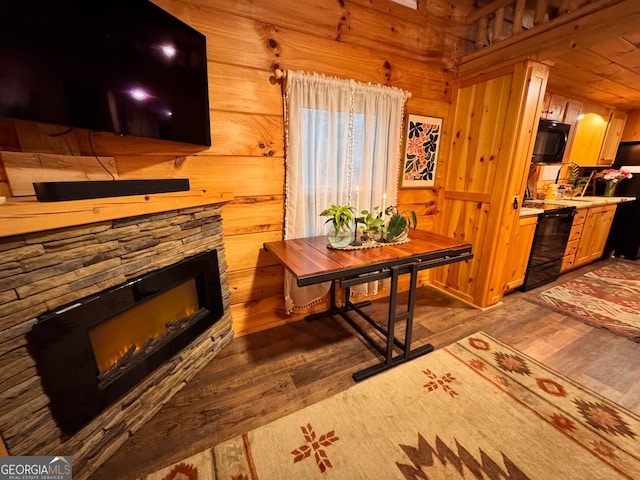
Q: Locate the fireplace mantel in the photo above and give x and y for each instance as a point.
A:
(20, 216)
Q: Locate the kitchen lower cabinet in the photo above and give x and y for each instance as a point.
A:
(594, 234)
(518, 256)
(569, 259)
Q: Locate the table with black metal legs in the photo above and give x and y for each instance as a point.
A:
(311, 261)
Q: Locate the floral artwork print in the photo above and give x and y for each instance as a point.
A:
(421, 151)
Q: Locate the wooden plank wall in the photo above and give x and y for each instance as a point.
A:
(368, 40)
(496, 114)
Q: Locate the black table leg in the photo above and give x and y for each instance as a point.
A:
(391, 341)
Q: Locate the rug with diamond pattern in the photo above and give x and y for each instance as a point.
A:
(607, 297)
(476, 409)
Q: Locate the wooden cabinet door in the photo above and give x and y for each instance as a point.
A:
(519, 251)
(585, 248)
(569, 259)
(604, 225)
(588, 139)
(572, 112)
(554, 107)
(612, 138)
(594, 234)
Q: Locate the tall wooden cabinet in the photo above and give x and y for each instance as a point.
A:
(494, 117)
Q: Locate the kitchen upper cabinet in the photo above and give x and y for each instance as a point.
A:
(561, 108)
(572, 112)
(612, 138)
(594, 234)
(588, 137)
(554, 107)
(631, 132)
(519, 251)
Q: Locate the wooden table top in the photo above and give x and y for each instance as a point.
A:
(311, 261)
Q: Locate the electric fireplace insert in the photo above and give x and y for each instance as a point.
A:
(91, 352)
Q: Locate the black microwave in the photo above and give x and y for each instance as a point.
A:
(551, 141)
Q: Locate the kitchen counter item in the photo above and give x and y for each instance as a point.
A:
(551, 192)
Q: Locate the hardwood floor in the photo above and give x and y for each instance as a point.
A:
(264, 376)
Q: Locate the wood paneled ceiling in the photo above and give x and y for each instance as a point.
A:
(594, 51)
(607, 72)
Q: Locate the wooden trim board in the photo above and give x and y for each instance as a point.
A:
(23, 169)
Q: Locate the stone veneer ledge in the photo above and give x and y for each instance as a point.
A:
(45, 270)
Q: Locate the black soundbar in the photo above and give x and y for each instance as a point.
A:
(62, 191)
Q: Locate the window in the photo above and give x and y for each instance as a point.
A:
(340, 134)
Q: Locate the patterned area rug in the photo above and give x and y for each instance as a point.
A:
(607, 297)
(198, 467)
(475, 409)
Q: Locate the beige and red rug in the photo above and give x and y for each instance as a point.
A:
(607, 297)
(476, 409)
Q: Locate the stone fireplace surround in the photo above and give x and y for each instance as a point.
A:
(45, 270)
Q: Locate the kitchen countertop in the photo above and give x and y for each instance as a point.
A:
(527, 211)
(579, 202)
(591, 201)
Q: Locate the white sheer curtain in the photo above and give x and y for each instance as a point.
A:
(340, 134)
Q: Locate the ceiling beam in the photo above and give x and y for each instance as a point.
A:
(487, 9)
(586, 26)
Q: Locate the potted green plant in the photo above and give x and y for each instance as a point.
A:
(340, 219)
(373, 224)
(399, 224)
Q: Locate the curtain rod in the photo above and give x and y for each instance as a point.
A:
(278, 73)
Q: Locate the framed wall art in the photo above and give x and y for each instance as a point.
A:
(421, 145)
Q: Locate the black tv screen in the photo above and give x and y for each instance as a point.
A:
(121, 66)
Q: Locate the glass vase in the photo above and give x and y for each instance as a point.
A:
(369, 236)
(610, 188)
(340, 238)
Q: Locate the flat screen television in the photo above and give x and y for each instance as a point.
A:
(121, 66)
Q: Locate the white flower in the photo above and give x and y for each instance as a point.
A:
(614, 175)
